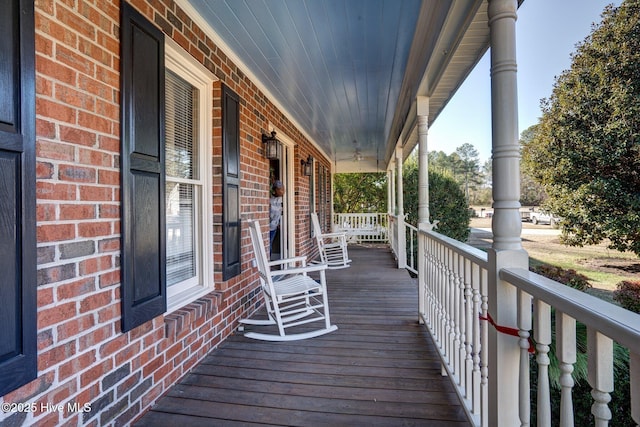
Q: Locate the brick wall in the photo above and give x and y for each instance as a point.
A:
(83, 358)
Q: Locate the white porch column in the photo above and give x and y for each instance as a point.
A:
(507, 248)
(423, 196)
(401, 231)
(423, 160)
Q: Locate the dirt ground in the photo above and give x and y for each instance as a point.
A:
(603, 266)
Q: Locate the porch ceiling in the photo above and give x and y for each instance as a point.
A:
(347, 72)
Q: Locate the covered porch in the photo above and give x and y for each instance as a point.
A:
(379, 368)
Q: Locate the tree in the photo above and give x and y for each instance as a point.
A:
(360, 192)
(469, 167)
(531, 192)
(586, 150)
(447, 202)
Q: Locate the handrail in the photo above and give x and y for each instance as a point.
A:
(613, 321)
(454, 299)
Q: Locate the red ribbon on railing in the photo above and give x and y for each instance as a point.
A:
(507, 330)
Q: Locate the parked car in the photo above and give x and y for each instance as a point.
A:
(543, 216)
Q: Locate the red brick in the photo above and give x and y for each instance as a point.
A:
(54, 150)
(44, 170)
(45, 212)
(109, 144)
(45, 296)
(76, 173)
(109, 177)
(93, 265)
(45, 339)
(55, 110)
(88, 192)
(57, 314)
(108, 76)
(56, 31)
(92, 121)
(111, 347)
(45, 129)
(94, 157)
(56, 355)
(74, 60)
(109, 279)
(109, 211)
(85, 285)
(97, 17)
(76, 212)
(76, 22)
(95, 337)
(109, 313)
(95, 87)
(127, 353)
(94, 229)
(55, 70)
(72, 97)
(96, 373)
(94, 51)
(109, 245)
(75, 326)
(107, 109)
(44, 86)
(53, 191)
(55, 232)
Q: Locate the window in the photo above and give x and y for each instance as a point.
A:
(188, 103)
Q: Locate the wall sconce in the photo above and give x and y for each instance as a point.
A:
(271, 146)
(307, 166)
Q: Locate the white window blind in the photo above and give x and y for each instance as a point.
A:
(184, 188)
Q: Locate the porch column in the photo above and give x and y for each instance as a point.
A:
(506, 224)
(423, 197)
(401, 232)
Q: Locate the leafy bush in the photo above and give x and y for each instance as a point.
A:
(568, 277)
(628, 295)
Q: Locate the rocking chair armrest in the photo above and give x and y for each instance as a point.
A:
(299, 270)
(339, 234)
(302, 259)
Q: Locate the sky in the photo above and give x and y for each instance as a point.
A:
(547, 32)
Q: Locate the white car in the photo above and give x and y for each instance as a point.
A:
(544, 217)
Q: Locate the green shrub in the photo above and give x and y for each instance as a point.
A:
(627, 295)
(568, 277)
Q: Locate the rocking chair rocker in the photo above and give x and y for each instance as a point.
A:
(292, 300)
(332, 246)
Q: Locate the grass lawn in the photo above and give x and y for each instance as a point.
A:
(604, 267)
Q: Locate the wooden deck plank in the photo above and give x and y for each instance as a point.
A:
(378, 369)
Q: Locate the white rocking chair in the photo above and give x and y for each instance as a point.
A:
(292, 300)
(332, 246)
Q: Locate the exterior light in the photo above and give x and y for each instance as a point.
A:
(271, 146)
(307, 166)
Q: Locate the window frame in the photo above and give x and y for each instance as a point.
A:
(186, 67)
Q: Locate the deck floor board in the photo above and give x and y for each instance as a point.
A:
(379, 368)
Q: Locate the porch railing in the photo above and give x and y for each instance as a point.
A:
(454, 307)
(363, 227)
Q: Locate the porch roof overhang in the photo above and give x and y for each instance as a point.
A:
(348, 73)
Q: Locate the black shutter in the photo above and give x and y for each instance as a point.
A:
(143, 260)
(18, 326)
(231, 225)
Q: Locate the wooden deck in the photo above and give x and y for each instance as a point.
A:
(378, 369)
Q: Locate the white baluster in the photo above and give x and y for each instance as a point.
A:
(600, 362)
(484, 350)
(475, 284)
(524, 326)
(468, 331)
(457, 314)
(566, 354)
(542, 334)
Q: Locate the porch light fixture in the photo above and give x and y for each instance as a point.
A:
(307, 166)
(271, 145)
